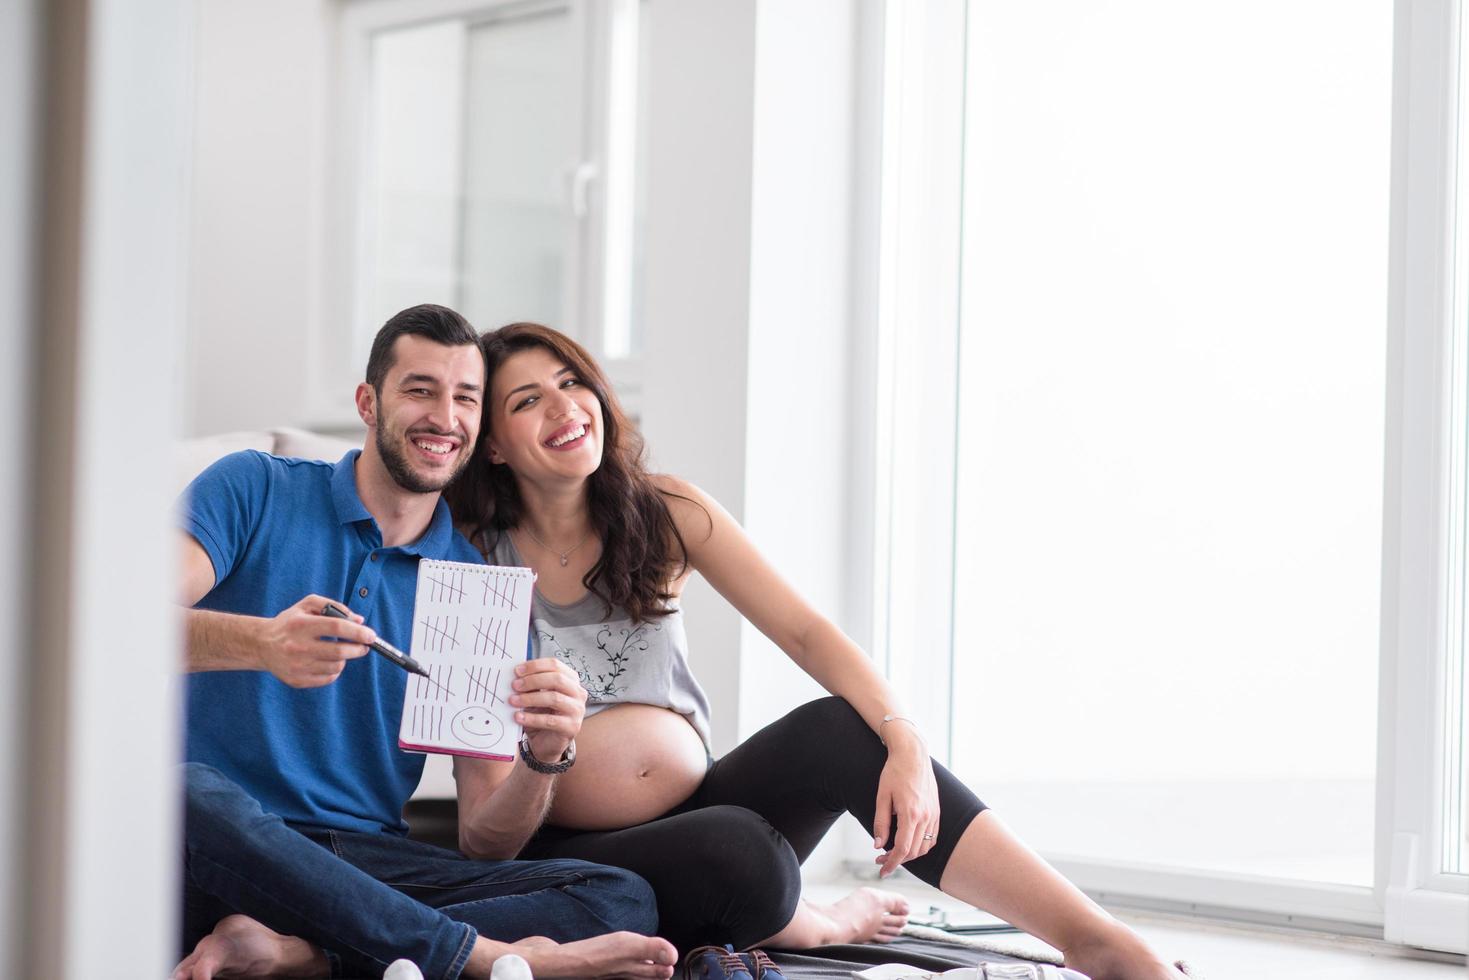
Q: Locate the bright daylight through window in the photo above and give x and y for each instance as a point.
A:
(1171, 430)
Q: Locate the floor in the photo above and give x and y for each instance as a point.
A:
(1226, 952)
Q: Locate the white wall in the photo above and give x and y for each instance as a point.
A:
(799, 412)
(750, 334)
(256, 266)
(749, 330)
(699, 170)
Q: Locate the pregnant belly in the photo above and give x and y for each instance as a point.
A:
(633, 763)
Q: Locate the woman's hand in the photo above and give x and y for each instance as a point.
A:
(908, 798)
(551, 704)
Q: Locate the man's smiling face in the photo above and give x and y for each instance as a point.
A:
(428, 412)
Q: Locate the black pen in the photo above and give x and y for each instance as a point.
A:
(389, 651)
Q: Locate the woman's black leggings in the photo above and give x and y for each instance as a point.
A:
(725, 863)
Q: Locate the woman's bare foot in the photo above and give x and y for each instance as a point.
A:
(241, 947)
(617, 954)
(1119, 955)
(867, 915)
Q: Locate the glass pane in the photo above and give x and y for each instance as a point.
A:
(521, 149)
(1170, 464)
(414, 173)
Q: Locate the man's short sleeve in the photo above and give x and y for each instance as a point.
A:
(222, 507)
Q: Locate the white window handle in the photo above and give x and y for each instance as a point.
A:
(581, 179)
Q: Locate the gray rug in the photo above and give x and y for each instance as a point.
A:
(931, 950)
(838, 962)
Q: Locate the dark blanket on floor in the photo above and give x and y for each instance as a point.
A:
(839, 962)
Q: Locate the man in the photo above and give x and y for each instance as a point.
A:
(296, 863)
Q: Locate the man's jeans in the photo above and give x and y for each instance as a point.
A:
(368, 899)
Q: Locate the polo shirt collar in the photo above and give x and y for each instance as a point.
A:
(350, 509)
(435, 541)
(349, 505)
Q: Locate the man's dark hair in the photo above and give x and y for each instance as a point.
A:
(438, 323)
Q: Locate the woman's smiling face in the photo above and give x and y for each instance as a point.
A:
(543, 422)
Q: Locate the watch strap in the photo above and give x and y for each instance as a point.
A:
(547, 768)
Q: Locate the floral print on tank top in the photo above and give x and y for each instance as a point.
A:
(600, 653)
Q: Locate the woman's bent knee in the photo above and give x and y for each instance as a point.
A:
(830, 719)
(745, 865)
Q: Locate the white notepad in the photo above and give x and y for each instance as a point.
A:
(470, 624)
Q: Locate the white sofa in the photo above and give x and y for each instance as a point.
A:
(193, 455)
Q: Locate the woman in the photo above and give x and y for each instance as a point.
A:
(559, 485)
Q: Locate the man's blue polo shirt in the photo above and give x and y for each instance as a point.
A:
(278, 530)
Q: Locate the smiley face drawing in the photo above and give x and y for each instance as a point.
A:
(476, 727)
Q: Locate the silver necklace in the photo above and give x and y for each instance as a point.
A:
(563, 555)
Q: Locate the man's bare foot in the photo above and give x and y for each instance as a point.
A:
(1120, 955)
(617, 954)
(241, 947)
(867, 915)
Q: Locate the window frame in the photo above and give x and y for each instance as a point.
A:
(1422, 905)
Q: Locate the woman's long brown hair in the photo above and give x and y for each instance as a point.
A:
(642, 551)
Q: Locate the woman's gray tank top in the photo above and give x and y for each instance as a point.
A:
(618, 661)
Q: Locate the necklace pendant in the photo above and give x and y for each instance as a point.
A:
(563, 561)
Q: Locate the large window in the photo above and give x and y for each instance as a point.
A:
(1208, 485)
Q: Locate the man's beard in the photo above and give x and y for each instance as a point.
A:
(402, 472)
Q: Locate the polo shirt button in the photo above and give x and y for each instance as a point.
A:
(372, 557)
(362, 592)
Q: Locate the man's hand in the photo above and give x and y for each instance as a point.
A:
(551, 703)
(306, 649)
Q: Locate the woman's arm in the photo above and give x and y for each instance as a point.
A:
(502, 803)
(721, 551)
(500, 806)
